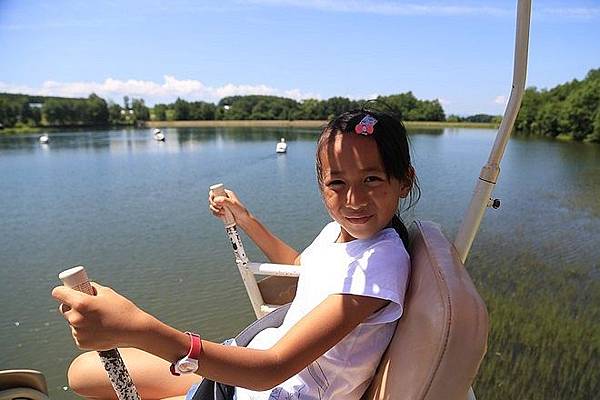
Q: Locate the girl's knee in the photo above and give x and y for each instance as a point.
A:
(87, 377)
(151, 376)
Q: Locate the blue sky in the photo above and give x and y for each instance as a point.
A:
(459, 51)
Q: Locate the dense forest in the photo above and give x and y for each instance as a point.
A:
(567, 111)
(570, 110)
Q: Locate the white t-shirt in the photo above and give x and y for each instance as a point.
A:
(375, 267)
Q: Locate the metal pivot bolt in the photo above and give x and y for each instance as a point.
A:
(494, 203)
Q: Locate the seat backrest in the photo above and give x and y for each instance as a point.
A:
(23, 384)
(442, 336)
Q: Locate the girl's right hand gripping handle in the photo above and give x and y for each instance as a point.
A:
(76, 278)
(228, 219)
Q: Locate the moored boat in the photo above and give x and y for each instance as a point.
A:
(281, 146)
(158, 135)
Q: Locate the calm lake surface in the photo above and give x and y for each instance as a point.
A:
(134, 212)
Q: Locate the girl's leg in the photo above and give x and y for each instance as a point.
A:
(150, 375)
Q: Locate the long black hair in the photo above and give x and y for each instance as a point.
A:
(392, 143)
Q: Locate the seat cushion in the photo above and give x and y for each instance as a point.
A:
(441, 338)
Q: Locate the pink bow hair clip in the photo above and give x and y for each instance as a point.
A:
(365, 126)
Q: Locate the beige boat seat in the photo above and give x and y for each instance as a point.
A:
(442, 336)
(22, 384)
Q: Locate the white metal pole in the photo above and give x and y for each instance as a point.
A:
(489, 173)
(76, 278)
(240, 256)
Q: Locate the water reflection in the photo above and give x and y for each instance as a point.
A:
(282, 165)
(129, 140)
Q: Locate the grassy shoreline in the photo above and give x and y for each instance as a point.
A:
(303, 124)
(249, 124)
(22, 130)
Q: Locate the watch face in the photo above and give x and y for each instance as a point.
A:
(187, 366)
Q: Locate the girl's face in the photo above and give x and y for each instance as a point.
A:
(356, 190)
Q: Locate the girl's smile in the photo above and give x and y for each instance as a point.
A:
(356, 189)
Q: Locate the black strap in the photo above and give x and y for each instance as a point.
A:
(210, 390)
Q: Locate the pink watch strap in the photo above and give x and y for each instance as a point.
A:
(195, 345)
(193, 352)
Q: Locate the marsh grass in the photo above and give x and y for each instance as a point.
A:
(544, 338)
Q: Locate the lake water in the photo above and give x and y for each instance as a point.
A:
(134, 211)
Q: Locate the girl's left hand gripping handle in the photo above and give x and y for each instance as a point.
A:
(76, 278)
(228, 219)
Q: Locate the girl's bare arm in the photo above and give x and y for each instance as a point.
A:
(109, 320)
(312, 336)
(273, 247)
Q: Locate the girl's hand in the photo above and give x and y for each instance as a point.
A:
(102, 322)
(217, 205)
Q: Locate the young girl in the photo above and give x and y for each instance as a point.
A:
(349, 296)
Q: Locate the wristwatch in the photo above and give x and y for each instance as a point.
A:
(189, 363)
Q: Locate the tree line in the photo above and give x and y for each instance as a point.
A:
(570, 110)
(17, 110)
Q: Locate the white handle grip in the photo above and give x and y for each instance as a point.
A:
(76, 278)
(228, 219)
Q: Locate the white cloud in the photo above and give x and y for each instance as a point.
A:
(232, 90)
(151, 91)
(500, 100)
(296, 94)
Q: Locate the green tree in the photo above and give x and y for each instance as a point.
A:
(54, 112)
(8, 113)
(182, 110)
(140, 111)
(530, 105)
(200, 110)
(595, 136)
(115, 115)
(485, 118)
(97, 111)
(160, 112)
(426, 110)
(311, 109)
(25, 113)
(549, 118)
(454, 118)
(237, 107)
(262, 110)
(401, 103)
(337, 105)
(580, 109)
(567, 109)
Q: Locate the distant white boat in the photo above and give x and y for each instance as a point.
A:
(44, 139)
(158, 135)
(281, 146)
